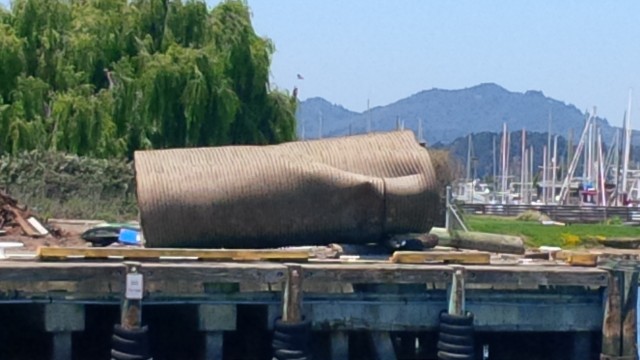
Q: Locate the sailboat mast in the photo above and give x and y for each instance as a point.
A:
(469, 158)
(495, 181)
(601, 183)
(530, 185)
(544, 174)
(522, 163)
(504, 163)
(619, 150)
(590, 153)
(627, 146)
(554, 163)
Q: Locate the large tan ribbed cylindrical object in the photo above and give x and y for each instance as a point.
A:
(355, 189)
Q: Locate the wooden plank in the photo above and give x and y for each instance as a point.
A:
(69, 271)
(582, 259)
(214, 272)
(377, 274)
(24, 224)
(54, 253)
(480, 241)
(536, 275)
(494, 311)
(104, 281)
(421, 257)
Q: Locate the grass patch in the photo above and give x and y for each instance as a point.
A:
(536, 234)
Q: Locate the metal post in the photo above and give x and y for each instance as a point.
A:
(131, 309)
(447, 217)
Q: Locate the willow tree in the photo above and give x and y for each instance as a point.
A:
(107, 77)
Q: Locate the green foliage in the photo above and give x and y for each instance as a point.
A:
(537, 234)
(107, 77)
(61, 185)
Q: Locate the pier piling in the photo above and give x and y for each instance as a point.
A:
(61, 320)
(619, 325)
(214, 320)
(131, 309)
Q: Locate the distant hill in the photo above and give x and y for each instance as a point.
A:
(450, 114)
(312, 111)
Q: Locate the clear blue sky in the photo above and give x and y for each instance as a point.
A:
(583, 52)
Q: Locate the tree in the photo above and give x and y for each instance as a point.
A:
(108, 77)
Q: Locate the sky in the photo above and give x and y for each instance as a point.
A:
(359, 52)
(585, 52)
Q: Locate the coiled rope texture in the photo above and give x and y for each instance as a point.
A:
(353, 190)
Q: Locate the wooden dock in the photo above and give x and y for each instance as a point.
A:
(339, 298)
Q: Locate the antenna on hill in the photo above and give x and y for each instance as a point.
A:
(368, 117)
(320, 124)
(399, 124)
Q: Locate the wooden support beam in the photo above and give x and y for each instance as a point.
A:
(213, 345)
(619, 329)
(61, 345)
(292, 295)
(60, 317)
(217, 317)
(581, 348)
(131, 309)
(421, 257)
(61, 320)
(472, 240)
(582, 259)
(377, 274)
(629, 315)
(339, 345)
(456, 292)
(213, 320)
(53, 253)
(611, 329)
(382, 346)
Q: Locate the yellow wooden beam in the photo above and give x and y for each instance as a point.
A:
(420, 257)
(49, 253)
(582, 259)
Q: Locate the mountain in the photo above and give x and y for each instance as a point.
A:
(313, 111)
(450, 114)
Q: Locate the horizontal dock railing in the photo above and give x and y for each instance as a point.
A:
(576, 214)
